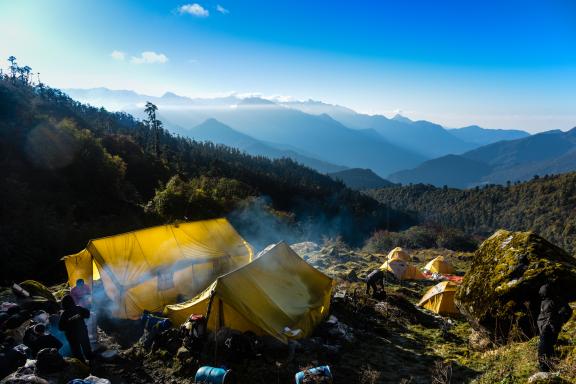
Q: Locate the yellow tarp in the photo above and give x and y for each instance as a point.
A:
(398, 253)
(439, 265)
(276, 290)
(440, 299)
(402, 270)
(152, 267)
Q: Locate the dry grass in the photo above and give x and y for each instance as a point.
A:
(369, 375)
(442, 373)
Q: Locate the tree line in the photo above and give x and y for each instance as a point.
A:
(545, 205)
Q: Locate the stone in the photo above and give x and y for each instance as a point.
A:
(499, 294)
(479, 342)
(16, 378)
(49, 361)
(545, 378)
(183, 353)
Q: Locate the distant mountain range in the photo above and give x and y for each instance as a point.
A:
(482, 136)
(422, 137)
(322, 136)
(361, 179)
(219, 133)
(549, 152)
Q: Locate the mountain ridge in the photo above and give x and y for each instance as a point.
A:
(544, 153)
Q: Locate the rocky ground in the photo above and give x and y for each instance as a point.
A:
(386, 341)
(373, 341)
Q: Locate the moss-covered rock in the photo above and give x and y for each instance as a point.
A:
(499, 294)
(37, 289)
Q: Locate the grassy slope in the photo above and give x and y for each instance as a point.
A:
(419, 352)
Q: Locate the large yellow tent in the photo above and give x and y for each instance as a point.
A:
(439, 265)
(152, 267)
(278, 294)
(440, 299)
(402, 270)
(398, 253)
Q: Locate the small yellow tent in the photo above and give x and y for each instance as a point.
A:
(150, 268)
(440, 299)
(276, 290)
(402, 270)
(398, 253)
(439, 265)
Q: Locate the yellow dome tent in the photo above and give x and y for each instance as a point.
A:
(402, 270)
(439, 265)
(398, 253)
(150, 268)
(278, 294)
(440, 299)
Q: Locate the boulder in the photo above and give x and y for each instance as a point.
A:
(37, 289)
(49, 361)
(499, 294)
(16, 378)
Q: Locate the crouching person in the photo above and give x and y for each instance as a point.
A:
(374, 280)
(194, 332)
(554, 313)
(74, 327)
(37, 338)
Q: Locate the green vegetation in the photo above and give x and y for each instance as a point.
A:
(72, 172)
(499, 294)
(418, 237)
(545, 205)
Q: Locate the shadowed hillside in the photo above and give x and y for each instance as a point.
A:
(72, 172)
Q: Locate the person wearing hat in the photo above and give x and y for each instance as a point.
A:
(37, 338)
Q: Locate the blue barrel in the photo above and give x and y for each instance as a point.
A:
(322, 371)
(211, 375)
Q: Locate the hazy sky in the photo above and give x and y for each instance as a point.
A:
(496, 63)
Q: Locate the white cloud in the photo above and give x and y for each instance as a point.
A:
(194, 10)
(149, 57)
(222, 10)
(282, 98)
(118, 55)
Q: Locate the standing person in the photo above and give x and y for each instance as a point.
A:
(82, 294)
(74, 327)
(554, 313)
(373, 280)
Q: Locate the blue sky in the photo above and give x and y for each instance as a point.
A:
(500, 64)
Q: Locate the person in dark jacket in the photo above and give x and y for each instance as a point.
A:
(37, 338)
(554, 313)
(74, 328)
(373, 280)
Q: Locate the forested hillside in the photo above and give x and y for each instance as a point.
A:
(71, 172)
(545, 205)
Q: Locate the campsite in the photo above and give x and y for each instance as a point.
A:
(287, 192)
(214, 308)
